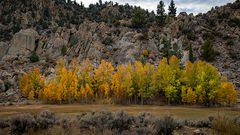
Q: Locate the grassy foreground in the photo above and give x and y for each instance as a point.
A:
(180, 112)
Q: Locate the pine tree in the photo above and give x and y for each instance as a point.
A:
(139, 18)
(100, 2)
(207, 51)
(176, 51)
(161, 13)
(172, 9)
(190, 54)
(166, 50)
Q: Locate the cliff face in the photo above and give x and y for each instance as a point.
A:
(104, 32)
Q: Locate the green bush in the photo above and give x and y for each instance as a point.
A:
(63, 50)
(232, 54)
(234, 22)
(73, 41)
(230, 43)
(208, 36)
(207, 51)
(107, 41)
(34, 57)
(223, 15)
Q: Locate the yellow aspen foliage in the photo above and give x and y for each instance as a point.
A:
(168, 78)
(175, 88)
(191, 96)
(68, 85)
(184, 94)
(24, 85)
(60, 66)
(82, 92)
(209, 81)
(190, 74)
(86, 73)
(227, 93)
(128, 80)
(50, 92)
(33, 82)
(102, 77)
(31, 95)
(74, 66)
(139, 80)
(116, 87)
(199, 82)
(89, 92)
(149, 71)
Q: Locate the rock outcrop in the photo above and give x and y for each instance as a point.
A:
(23, 42)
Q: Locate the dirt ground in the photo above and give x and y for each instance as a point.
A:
(71, 110)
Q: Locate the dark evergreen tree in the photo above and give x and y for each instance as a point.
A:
(161, 15)
(167, 47)
(100, 2)
(176, 51)
(139, 18)
(172, 9)
(207, 51)
(190, 54)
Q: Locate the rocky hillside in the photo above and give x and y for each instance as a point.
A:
(37, 33)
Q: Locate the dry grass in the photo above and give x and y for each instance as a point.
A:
(180, 112)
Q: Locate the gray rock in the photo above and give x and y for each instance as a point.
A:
(23, 42)
(3, 49)
(197, 132)
(2, 86)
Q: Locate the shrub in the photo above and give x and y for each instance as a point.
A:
(47, 58)
(4, 123)
(165, 125)
(144, 119)
(224, 125)
(81, 115)
(116, 23)
(45, 119)
(21, 123)
(234, 22)
(100, 120)
(73, 41)
(144, 131)
(144, 36)
(121, 121)
(191, 36)
(63, 50)
(232, 54)
(223, 15)
(230, 42)
(145, 52)
(208, 36)
(198, 123)
(107, 41)
(34, 57)
(237, 120)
